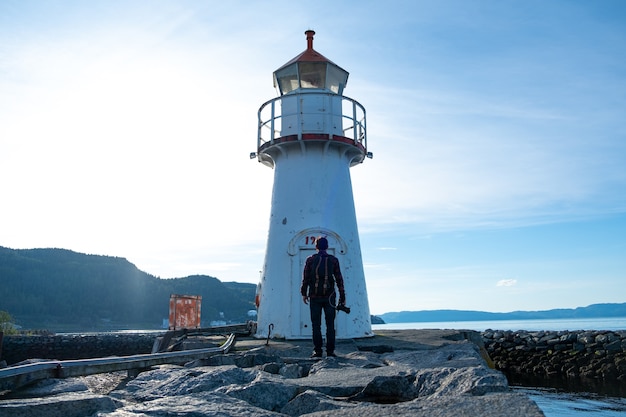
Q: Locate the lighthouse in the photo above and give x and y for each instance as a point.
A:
(311, 135)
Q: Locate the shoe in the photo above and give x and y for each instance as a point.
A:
(331, 355)
(316, 355)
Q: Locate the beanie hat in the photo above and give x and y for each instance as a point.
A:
(321, 243)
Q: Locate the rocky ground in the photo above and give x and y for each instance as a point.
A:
(403, 373)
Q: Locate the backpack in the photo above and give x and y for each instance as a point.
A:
(320, 275)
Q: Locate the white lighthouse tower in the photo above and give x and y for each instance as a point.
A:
(310, 135)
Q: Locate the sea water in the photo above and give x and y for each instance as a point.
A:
(553, 402)
(556, 403)
(613, 324)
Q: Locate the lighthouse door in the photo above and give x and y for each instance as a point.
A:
(314, 112)
(301, 326)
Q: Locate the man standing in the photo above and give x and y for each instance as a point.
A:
(321, 273)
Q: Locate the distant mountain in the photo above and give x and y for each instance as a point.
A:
(592, 311)
(62, 290)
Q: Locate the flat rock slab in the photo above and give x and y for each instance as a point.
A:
(417, 339)
(395, 339)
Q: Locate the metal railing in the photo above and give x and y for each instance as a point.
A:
(271, 117)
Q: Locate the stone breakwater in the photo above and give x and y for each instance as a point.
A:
(592, 355)
(591, 358)
(433, 373)
(62, 347)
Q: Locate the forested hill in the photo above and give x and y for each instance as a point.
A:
(62, 290)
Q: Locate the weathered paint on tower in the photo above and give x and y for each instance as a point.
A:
(310, 135)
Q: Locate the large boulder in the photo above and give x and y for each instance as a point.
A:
(200, 404)
(72, 404)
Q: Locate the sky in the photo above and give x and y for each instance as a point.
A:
(498, 130)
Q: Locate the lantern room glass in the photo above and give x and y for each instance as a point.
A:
(287, 79)
(336, 79)
(310, 75)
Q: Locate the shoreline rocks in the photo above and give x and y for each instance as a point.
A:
(579, 360)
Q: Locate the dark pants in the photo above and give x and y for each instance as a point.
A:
(317, 306)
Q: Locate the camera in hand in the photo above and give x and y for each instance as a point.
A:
(344, 308)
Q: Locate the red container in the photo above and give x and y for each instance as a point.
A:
(185, 311)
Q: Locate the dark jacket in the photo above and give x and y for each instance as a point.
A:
(321, 273)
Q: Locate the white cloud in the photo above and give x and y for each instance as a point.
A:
(506, 283)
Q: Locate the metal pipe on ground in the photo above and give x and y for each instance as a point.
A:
(18, 376)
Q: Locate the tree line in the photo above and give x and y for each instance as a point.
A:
(58, 289)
